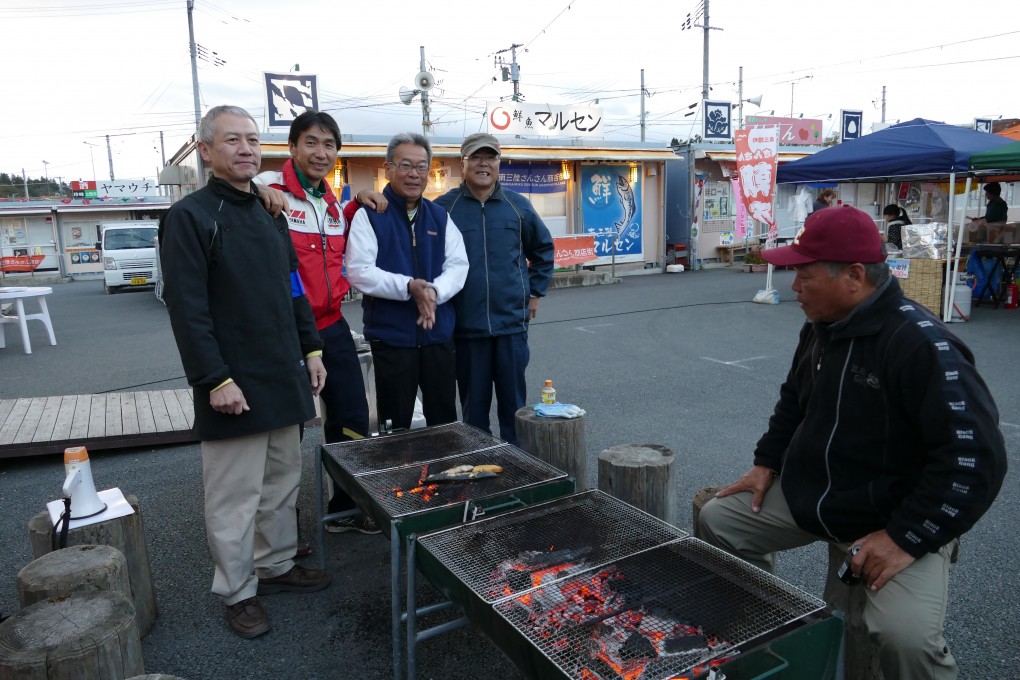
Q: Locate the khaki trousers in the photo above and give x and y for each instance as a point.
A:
(251, 487)
(905, 619)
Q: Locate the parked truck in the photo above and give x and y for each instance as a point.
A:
(129, 253)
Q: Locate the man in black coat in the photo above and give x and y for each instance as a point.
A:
(252, 355)
(884, 442)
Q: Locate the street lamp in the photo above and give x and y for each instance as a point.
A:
(92, 156)
(792, 84)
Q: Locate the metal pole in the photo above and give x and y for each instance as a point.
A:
(162, 148)
(194, 90)
(740, 98)
(642, 105)
(24, 179)
(426, 120)
(883, 104)
(109, 155)
(704, 86)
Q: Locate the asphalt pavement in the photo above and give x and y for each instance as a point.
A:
(683, 360)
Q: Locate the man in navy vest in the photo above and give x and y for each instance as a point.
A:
(409, 262)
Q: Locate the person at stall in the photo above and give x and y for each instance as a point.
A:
(996, 212)
(824, 200)
(895, 218)
(884, 442)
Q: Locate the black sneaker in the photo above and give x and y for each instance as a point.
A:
(360, 523)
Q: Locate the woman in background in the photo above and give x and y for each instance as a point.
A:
(824, 200)
(895, 218)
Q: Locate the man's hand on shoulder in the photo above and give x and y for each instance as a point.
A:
(274, 200)
(375, 200)
(879, 559)
(757, 480)
(228, 399)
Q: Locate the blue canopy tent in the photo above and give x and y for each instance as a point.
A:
(916, 149)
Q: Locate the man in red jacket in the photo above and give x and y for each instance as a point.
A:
(319, 232)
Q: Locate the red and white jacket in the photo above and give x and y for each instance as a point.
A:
(320, 242)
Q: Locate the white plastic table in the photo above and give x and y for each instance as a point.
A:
(17, 295)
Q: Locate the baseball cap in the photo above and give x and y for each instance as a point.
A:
(477, 141)
(840, 234)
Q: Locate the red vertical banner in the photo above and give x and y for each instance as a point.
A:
(740, 223)
(756, 168)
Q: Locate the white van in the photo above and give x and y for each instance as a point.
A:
(129, 253)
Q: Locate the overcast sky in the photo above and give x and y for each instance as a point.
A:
(77, 71)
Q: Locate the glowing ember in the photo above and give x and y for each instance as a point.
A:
(426, 491)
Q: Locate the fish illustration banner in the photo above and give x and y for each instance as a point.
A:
(532, 178)
(288, 95)
(756, 169)
(611, 208)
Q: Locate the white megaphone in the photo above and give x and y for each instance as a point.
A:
(78, 486)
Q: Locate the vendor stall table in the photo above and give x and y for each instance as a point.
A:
(1005, 260)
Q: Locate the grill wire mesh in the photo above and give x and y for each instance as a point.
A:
(513, 551)
(654, 615)
(403, 491)
(414, 446)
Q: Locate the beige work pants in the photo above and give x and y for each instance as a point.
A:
(251, 487)
(905, 619)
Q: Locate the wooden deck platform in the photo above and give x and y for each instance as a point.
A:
(40, 425)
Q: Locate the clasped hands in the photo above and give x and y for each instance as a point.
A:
(424, 295)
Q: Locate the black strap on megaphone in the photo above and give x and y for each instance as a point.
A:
(61, 527)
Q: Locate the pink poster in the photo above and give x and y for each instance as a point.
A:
(740, 225)
(756, 170)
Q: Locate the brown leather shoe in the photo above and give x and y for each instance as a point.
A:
(248, 618)
(297, 580)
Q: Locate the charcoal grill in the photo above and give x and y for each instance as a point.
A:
(587, 587)
(386, 476)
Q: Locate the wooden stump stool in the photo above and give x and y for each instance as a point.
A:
(127, 534)
(557, 441)
(643, 475)
(82, 568)
(700, 498)
(88, 636)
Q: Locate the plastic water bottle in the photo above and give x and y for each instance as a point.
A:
(548, 393)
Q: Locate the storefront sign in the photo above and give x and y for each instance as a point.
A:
(533, 178)
(792, 131)
(126, 188)
(288, 95)
(518, 118)
(718, 123)
(571, 250)
(84, 190)
(21, 263)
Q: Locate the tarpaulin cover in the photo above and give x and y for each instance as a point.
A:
(916, 148)
(1002, 158)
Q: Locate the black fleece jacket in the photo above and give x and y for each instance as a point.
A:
(884, 423)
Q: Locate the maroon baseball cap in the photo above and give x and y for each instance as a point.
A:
(840, 234)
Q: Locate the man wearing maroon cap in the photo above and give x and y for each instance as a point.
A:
(884, 440)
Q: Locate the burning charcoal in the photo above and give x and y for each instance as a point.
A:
(685, 643)
(603, 670)
(637, 646)
(518, 580)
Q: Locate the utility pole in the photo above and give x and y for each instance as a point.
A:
(642, 105)
(513, 73)
(740, 99)
(426, 109)
(162, 148)
(109, 155)
(25, 180)
(883, 103)
(704, 85)
(194, 90)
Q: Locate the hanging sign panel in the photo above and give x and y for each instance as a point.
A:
(543, 120)
(611, 208)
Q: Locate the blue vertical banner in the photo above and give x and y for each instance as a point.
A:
(850, 123)
(611, 209)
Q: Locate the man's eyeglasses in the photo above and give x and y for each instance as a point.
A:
(406, 167)
(482, 158)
